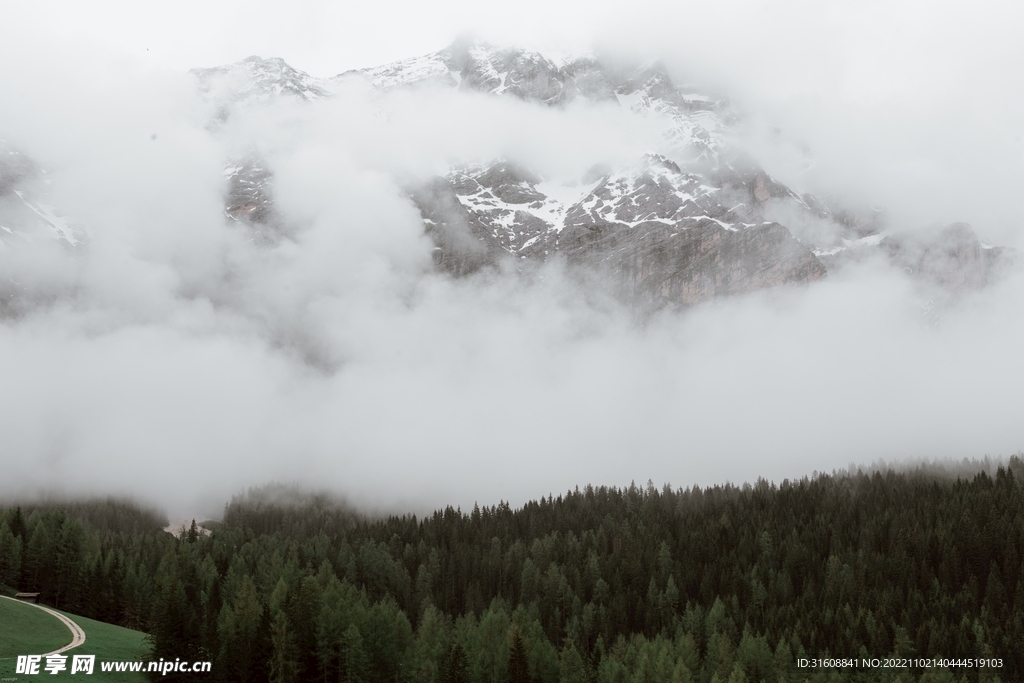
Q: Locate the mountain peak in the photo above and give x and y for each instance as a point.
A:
(686, 221)
(255, 79)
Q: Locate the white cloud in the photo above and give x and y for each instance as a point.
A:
(176, 360)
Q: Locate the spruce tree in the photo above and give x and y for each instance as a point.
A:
(518, 663)
(10, 557)
(18, 526)
(456, 666)
(284, 667)
(354, 665)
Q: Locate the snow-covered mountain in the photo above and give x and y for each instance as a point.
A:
(666, 232)
(28, 220)
(255, 80)
(698, 120)
(691, 220)
(24, 213)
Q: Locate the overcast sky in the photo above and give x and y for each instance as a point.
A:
(177, 362)
(913, 106)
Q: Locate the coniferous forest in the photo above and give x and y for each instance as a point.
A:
(716, 585)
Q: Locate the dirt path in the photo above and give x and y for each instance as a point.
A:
(77, 634)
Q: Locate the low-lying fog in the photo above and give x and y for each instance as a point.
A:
(172, 359)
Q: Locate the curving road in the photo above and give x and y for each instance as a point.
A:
(77, 634)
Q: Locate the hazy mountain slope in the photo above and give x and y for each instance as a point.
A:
(30, 226)
(695, 219)
(692, 219)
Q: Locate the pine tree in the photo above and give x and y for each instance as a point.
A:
(18, 526)
(10, 556)
(67, 563)
(354, 665)
(671, 598)
(995, 593)
(571, 666)
(284, 667)
(330, 628)
(456, 666)
(169, 630)
(136, 596)
(518, 663)
(737, 675)
(242, 652)
(303, 607)
(36, 560)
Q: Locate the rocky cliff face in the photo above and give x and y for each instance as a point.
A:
(954, 258)
(694, 221)
(249, 199)
(515, 72)
(25, 214)
(666, 232)
(257, 80)
(27, 219)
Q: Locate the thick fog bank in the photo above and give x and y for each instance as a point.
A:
(475, 391)
(173, 358)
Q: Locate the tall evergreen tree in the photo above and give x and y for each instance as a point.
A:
(456, 666)
(518, 661)
(10, 556)
(36, 562)
(18, 526)
(284, 666)
(68, 563)
(354, 665)
(242, 652)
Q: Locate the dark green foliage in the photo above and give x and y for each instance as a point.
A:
(106, 515)
(354, 665)
(17, 523)
(598, 585)
(243, 651)
(284, 666)
(10, 556)
(455, 668)
(518, 664)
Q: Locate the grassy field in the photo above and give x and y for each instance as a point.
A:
(106, 641)
(27, 630)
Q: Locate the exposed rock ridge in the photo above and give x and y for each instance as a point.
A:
(662, 230)
(258, 80)
(691, 222)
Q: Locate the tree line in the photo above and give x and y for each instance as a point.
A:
(608, 585)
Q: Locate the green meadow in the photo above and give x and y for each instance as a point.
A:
(25, 629)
